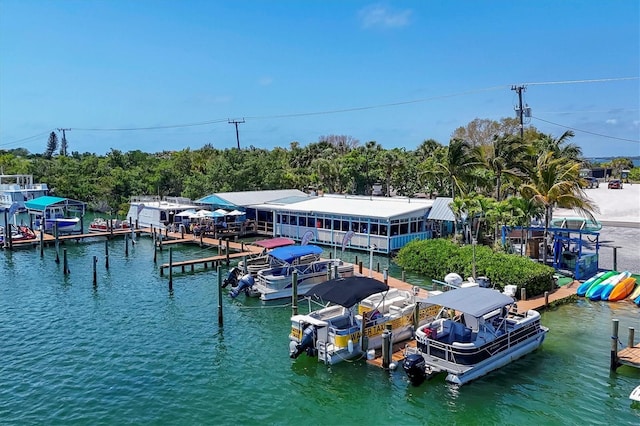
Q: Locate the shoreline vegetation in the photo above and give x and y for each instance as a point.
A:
(495, 175)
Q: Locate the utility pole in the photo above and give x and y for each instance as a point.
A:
(520, 110)
(63, 144)
(236, 122)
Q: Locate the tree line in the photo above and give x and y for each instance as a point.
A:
(494, 175)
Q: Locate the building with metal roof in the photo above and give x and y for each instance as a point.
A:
(382, 224)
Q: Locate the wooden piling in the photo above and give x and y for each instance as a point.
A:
(378, 267)
(546, 299)
(630, 342)
(106, 254)
(385, 275)
(386, 346)
(403, 277)
(227, 249)
(95, 271)
(55, 231)
(613, 364)
(42, 242)
(155, 258)
(126, 245)
(523, 293)
(170, 269)
(360, 267)
(65, 263)
(294, 293)
(615, 258)
(7, 229)
(220, 316)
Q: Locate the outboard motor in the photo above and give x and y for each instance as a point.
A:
(414, 367)
(232, 277)
(245, 283)
(306, 343)
(484, 282)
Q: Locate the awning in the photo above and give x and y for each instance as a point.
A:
(188, 213)
(272, 243)
(347, 291)
(441, 210)
(475, 301)
(41, 203)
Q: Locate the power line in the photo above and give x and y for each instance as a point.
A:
(586, 131)
(599, 80)
(335, 111)
(26, 139)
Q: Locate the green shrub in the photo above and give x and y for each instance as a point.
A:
(436, 258)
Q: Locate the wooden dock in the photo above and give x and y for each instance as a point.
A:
(630, 356)
(48, 238)
(214, 260)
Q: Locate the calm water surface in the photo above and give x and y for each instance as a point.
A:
(128, 351)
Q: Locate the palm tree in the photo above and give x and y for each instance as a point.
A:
(560, 146)
(458, 164)
(502, 158)
(556, 182)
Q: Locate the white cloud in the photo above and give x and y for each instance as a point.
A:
(265, 81)
(612, 121)
(380, 16)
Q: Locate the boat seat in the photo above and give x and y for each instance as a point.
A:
(395, 310)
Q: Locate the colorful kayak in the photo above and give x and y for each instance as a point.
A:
(606, 291)
(623, 289)
(635, 293)
(595, 291)
(596, 279)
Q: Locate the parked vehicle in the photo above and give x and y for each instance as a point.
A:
(591, 182)
(615, 184)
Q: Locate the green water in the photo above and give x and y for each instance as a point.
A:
(127, 351)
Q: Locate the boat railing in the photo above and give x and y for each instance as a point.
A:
(457, 351)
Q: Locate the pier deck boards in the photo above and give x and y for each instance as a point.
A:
(630, 356)
(204, 261)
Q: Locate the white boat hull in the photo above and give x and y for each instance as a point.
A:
(492, 364)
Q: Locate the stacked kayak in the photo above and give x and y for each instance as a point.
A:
(608, 289)
(623, 289)
(596, 279)
(611, 286)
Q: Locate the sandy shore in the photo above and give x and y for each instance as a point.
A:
(620, 218)
(619, 207)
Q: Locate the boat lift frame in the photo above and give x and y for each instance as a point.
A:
(567, 247)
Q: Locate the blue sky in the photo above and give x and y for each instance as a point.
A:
(397, 72)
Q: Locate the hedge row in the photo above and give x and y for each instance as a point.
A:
(436, 258)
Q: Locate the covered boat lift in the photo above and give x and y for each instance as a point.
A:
(47, 205)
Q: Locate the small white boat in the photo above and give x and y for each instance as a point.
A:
(100, 224)
(55, 216)
(18, 233)
(334, 333)
(276, 282)
(262, 260)
(635, 394)
(475, 333)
